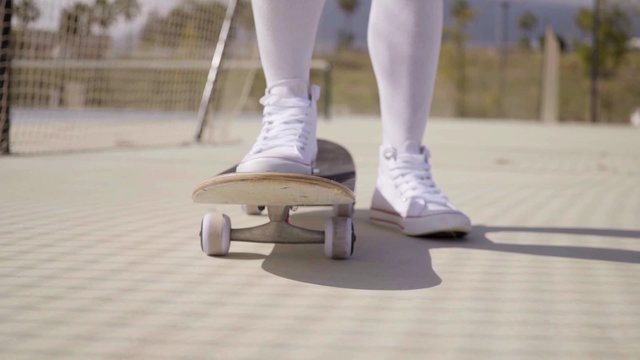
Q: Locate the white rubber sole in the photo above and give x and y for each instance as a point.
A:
(451, 223)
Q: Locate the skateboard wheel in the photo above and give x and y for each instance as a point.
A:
(343, 210)
(252, 209)
(338, 237)
(215, 234)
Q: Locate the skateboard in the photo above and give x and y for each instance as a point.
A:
(332, 184)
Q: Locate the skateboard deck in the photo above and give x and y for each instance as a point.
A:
(332, 183)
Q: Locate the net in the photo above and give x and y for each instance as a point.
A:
(107, 73)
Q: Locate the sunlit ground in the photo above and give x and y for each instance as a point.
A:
(99, 255)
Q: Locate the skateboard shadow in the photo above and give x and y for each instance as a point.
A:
(387, 260)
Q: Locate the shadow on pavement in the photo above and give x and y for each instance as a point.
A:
(387, 260)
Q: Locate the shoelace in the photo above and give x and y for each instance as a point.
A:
(283, 123)
(411, 173)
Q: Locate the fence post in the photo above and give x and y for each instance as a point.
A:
(5, 65)
(327, 90)
(550, 77)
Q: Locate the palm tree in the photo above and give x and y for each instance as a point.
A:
(26, 12)
(527, 23)
(610, 27)
(462, 14)
(129, 9)
(75, 20)
(104, 14)
(345, 36)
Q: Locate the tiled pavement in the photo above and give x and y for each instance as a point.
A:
(99, 256)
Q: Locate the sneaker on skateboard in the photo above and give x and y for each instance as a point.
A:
(332, 184)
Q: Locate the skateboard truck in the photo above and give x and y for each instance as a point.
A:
(278, 230)
(338, 236)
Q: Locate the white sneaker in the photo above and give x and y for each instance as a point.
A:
(287, 142)
(407, 198)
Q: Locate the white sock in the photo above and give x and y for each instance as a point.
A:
(404, 42)
(286, 32)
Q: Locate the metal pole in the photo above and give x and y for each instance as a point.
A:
(213, 70)
(328, 90)
(5, 72)
(595, 62)
(504, 40)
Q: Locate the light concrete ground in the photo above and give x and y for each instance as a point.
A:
(99, 256)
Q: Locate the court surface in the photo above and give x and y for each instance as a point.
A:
(99, 256)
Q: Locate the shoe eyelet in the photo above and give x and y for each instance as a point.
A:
(389, 154)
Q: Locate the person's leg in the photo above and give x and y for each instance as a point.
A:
(404, 43)
(286, 32)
